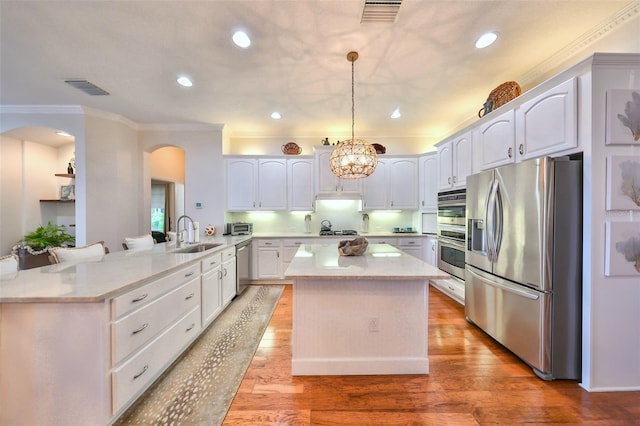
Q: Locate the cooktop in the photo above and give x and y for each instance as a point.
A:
(342, 232)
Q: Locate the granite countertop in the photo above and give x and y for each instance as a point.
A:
(373, 234)
(100, 279)
(379, 262)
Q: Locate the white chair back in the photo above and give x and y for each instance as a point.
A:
(8, 264)
(138, 243)
(93, 251)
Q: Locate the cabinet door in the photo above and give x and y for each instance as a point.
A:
(445, 166)
(228, 280)
(497, 141)
(269, 259)
(548, 123)
(241, 189)
(376, 190)
(211, 295)
(326, 181)
(431, 254)
(272, 184)
(428, 169)
(462, 160)
(403, 183)
(300, 188)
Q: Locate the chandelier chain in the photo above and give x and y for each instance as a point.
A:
(353, 102)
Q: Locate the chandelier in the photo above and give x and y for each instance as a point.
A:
(353, 158)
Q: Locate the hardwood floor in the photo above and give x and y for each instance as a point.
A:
(472, 381)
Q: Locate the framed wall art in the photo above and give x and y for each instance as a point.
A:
(622, 254)
(623, 117)
(623, 182)
(67, 192)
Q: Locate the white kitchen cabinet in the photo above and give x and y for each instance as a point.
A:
(211, 282)
(431, 250)
(228, 275)
(393, 185)
(412, 246)
(256, 184)
(376, 188)
(452, 287)
(548, 123)
(268, 263)
(454, 162)
(327, 182)
(497, 139)
(300, 177)
(428, 182)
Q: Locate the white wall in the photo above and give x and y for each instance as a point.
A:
(11, 208)
(204, 167)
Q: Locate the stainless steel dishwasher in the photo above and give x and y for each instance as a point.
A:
(243, 266)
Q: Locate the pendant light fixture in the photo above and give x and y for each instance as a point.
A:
(354, 158)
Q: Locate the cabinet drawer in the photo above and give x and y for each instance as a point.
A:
(269, 243)
(137, 328)
(228, 253)
(211, 262)
(137, 298)
(130, 379)
(410, 242)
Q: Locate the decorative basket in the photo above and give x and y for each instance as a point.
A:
(500, 96)
(291, 148)
(355, 247)
(380, 149)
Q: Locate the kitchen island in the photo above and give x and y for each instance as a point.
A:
(359, 314)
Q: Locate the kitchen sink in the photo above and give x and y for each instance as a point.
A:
(197, 248)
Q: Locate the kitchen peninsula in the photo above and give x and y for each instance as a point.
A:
(81, 341)
(359, 314)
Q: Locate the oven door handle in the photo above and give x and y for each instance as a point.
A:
(456, 244)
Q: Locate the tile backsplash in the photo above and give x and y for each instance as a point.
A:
(343, 214)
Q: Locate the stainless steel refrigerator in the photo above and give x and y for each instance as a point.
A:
(523, 280)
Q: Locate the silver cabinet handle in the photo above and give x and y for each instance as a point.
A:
(188, 275)
(190, 327)
(225, 272)
(212, 263)
(449, 180)
(189, 296)
(267, 243)
(454, 179)
(145, 325)
(452, 288)
(411, 242)
(510, 152)
(521, 149)
(139, 298)
(219, 274)
(144, 370)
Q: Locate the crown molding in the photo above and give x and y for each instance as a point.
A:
(41, 109)
(622, 17)
(181, 127)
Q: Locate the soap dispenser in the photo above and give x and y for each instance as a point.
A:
(307, 224)
(365, 223)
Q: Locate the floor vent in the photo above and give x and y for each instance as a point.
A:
(380, 10)
(87, 87)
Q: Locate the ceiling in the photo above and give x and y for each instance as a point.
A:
(424, 63)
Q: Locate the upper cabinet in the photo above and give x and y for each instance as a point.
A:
(254, 184)
(393, 185)
(300, 184)
(454, 162)
(327, 182)
(428, 185)
(548, 123)
(497, 139)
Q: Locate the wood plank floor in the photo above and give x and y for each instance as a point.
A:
(472, 381)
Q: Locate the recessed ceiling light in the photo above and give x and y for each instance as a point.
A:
(396, 113)
(486, 39)
(184, 81)
(276, 115)
(241, 39)
(65, 134)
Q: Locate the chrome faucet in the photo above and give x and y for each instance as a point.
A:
(178, 233)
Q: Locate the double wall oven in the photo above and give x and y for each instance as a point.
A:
(452, 232)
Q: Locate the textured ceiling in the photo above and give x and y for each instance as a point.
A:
(424, 63)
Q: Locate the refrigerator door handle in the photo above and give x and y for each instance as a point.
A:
(490, 221)
(498, 212)
(493, 281)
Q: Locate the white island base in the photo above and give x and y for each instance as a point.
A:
(362, 315)
(359, 327)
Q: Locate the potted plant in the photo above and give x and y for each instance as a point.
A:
(33, 248)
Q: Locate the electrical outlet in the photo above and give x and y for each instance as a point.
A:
(374, 324)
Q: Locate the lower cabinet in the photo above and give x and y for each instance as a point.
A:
(228, 275)
(431, 251)
(452, 287)
(412, 246)
(211, 282)
(268, 261)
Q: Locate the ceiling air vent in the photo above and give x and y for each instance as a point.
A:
(380, 11)
(87, 87)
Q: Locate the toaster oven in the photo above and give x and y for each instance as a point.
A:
(239, 228)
